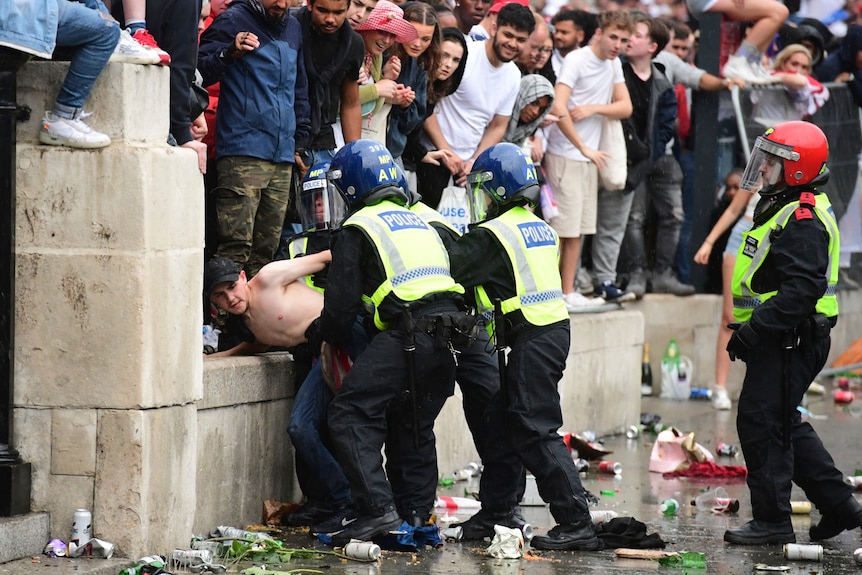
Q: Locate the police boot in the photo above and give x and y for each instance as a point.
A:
(757, 532)
(579, 536)
(848, 515)
(481, 525)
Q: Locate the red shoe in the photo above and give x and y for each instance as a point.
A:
(145, 39)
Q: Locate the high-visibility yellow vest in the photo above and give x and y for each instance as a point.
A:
(534, 250)
(297, 247)
(414, 260)
(754, 251)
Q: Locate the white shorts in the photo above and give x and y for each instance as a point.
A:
(575, 185)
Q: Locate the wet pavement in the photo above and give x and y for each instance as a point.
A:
(638, 493)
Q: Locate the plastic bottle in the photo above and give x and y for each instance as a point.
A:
(716, 501)
(670, 370)
(669, 507)
(646, 373)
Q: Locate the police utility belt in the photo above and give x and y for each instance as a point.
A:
(813, 328)
(456, 327)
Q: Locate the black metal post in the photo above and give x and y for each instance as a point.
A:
(705, 126)
(14, 473)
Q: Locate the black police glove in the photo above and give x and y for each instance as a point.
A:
(742, 341)
(312, 334)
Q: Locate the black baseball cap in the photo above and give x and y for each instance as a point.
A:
(218, 270)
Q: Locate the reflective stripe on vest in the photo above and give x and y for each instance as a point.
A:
(745, 300)
(414, 260)
(533, 248)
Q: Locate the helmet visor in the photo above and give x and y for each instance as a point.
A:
(321, 206)
(482, 204)
(765, 168)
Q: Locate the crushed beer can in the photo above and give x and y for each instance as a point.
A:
(843, 397)
(633, 431)
(700, 393)
(727, 450)
(600, 516)
(582, 464)
(92, 548)
(55, 548)
(854, 481)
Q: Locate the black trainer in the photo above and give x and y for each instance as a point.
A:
(757, 532)
(844, 517)
(481, 525)
(569, 537)
(336, 523)
(366, 528)
(310, 513)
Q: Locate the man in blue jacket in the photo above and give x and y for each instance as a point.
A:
(255, 49)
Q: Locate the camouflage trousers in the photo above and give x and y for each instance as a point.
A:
(251, 198)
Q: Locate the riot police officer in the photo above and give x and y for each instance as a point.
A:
(785, 305)
(388, 259)
(512, 256)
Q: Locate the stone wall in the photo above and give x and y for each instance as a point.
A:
(107, 342)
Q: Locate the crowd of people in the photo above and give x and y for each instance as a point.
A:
(334, 130)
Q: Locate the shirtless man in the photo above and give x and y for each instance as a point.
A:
(274, 306)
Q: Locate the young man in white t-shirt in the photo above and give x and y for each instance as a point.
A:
(475, 116)
(590, 85)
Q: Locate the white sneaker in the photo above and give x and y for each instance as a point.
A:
(128, 51)
(74, 133)
(720, 400)
(577, 302)
(738, 67)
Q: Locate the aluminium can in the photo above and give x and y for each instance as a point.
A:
(610, 467)
(800, 507)
(796, 552)
(82, 526)
(857, 556)
(364, 550)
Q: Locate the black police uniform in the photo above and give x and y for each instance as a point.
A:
(377, 379)
(796, 267)
(538, 353)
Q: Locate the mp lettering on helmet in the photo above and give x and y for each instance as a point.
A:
(388, 172)
(403, 220)
(537, 234)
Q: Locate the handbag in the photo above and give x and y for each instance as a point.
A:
(454, 206)
(612, 176)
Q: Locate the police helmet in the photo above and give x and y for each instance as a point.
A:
(364, 173)
(788, 155)
(502, 176)
(321, 207)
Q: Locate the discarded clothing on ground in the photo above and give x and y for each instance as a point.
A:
(408, 538)
(708, 469)
(629, 533)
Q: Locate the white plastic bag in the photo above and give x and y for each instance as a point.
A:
(455, 207)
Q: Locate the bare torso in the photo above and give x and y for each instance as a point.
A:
(279, 315)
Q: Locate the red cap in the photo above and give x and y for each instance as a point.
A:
(500, 3)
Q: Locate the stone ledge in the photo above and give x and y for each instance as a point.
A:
(239, 380)
(128, 102)
(22, 536)
(54, 565)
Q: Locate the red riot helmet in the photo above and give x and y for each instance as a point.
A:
(788, 155)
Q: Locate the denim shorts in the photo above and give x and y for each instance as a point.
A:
(735, 239)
